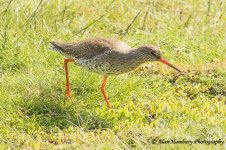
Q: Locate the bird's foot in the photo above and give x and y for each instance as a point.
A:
(69, 97)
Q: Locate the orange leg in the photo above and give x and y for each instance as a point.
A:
(104, 93)
(68, 91)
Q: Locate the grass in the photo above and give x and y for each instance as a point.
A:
(150, 104)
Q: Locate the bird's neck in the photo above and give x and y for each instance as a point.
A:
(136, 57)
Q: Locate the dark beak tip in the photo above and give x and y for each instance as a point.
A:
(167, 63)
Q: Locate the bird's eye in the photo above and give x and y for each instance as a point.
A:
(153, 53)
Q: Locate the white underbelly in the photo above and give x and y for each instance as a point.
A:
(99, 67)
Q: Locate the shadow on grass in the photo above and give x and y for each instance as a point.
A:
(83, 90)
(48, 108)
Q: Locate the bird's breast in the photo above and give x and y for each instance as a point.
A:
(108, 64)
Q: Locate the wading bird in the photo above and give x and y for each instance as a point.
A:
(106, 57)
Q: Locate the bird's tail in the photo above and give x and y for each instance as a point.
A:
(56, 47)
(61, 48)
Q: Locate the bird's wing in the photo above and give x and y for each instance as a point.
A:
(90, 48)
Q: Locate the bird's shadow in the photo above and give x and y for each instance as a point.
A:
(50, 108)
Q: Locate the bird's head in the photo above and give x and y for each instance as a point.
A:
(152, 53)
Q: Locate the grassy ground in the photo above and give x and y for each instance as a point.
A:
(151, 104)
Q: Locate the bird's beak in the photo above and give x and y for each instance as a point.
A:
(167, 63)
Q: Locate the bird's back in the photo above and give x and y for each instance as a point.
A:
(90, 48)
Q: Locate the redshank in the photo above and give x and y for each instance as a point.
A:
(106, 56)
